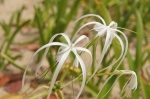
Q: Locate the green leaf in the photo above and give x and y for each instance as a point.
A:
(39, 22)
(138, 60)
(92, 88)
(11, 38)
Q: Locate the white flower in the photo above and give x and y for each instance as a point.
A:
(130, 85)
(111, 32)
(62, 55)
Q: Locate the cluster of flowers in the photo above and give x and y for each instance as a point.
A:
(64, 50)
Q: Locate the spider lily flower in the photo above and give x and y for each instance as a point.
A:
(111, 32)
(62, 55)
(130, 85)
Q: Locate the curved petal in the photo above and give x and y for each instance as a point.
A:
(91, 15)
(100, 33)
(62, 34)
(122, 52)
(125, 51)
(106, 46)
(109, 88)
(87, 51)
(83, 72)
(60, 64)
(47, 49)
(99, 27)
(104, 85)
(114, 24)
(62, 50)
(76, 63)
(86, 24)
(60, 53)
(45, 46)
(80, 39)
(130, 85)
(126, 47)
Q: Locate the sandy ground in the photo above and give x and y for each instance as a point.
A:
(9, 6)
(6, 10)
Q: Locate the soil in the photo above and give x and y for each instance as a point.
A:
(7, 7)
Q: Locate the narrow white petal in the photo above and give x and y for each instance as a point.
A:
(91, 15)
(104, 84)
(114, 24)
(83, 72)
(45, 46)
(106, 46)
(125, 51)
(124, 87)
(126, 47)
(76, 63)
(60, 52)
(99, 27)
(62, 34)
(87, 51)
(24, 75)
(110, 87)
(60, 64)
(80, 39)
(100, 33)
(131, 84)
(62, 49)
(47, 49)
(86, 24)
(122, 47)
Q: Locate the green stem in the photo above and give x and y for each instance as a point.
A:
(92, 42)
(39, 95)
(14, 34)
(60, 95)
(12, 62)
(94, 58)
(64, 74)
(100, 74)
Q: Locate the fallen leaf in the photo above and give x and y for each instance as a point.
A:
(14, 87)
(34, 83)
(15, 77)
(4, 80)
(13, 96)
(33, 47)
(52, 96)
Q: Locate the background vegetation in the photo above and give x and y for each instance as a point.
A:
(53, 17)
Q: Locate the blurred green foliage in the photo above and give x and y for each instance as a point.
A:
(11, 29)
(53, 16)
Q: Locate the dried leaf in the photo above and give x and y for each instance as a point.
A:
(52, 96)
(33, 47)
(15, 77)
(4, 80)
(14, 87)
